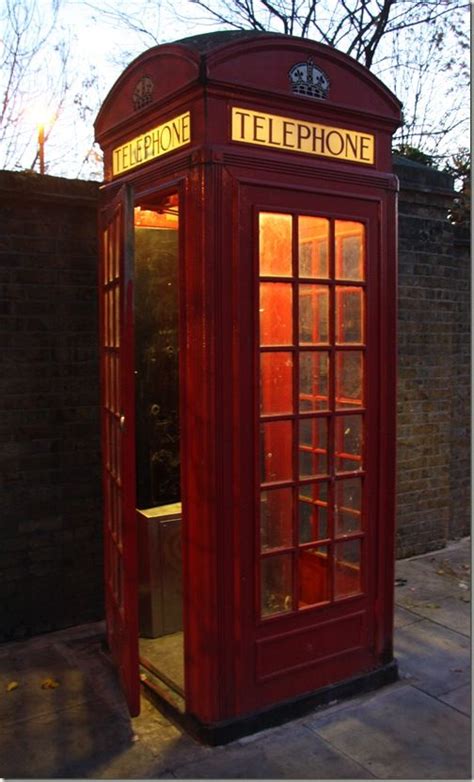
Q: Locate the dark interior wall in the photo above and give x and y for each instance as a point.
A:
(50, 530)
(434, 364)
(50, 490)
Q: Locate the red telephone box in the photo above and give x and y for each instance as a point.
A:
(248, 303)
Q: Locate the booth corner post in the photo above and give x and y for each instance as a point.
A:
(248, 343)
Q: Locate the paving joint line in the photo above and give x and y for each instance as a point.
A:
(437, 698)
(342, 752)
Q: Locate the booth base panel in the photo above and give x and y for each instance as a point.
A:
(226, 731)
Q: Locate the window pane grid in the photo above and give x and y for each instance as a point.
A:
(315, 327)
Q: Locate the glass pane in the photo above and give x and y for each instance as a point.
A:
(276, 313)
(347, 568)
(349, 374)
(313, 244)
(348, 443)
(157, 357)
(350, 243)
(276, 383)
(276, 585)
(276, 459)
(314, 380)
(313, 566)
(348, 505)
(276, 513)
(314, 314)
(275, 244)
(313, 445)
(349, 315)
(313, 512)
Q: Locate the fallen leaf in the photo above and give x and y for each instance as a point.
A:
(431, 605)
(441, 572)
(11, 686)
(49, 684)
(400, 582)
(462, 585)
(456, 670)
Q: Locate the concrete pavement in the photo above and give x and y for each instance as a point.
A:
(418, 728)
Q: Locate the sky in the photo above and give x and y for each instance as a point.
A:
(85, 54)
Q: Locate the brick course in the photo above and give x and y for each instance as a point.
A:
(50, 532)
(433, 364)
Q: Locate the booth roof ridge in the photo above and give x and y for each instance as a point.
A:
(205, 42)
(208, 51)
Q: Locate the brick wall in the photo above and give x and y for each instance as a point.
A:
(50, 497)
(434, 368)
(50, 530)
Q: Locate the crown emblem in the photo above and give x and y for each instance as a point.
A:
(307, 79)
(143, 92)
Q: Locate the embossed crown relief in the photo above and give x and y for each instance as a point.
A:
(143, 92)
(308, 79)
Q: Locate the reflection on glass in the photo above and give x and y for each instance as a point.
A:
(347, 568)
(313, 243)
(350, 243)
(313, 512)
(276, 314)
(313, 565)
(313, 444)
(348, 450)
(314, 380)
(276, 514)
(314, 314)
(276, 585)
(276, 451)
(349, 315)
(275, 244)
(156, 356)
(276, 383)
(349, 364)
(348, 505)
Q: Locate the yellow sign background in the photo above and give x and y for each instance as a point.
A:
(273, 130)
(155, 142)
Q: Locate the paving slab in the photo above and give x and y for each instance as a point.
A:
(290, 752)
(29, 670)
(67, 744)
(456, 556)
(459, 699)
(445, 572)
(437, 659)
(402, 734)
(169, 745)
(422, 584)
(453, 612)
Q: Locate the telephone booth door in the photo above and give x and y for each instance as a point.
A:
(313, 281)
(118, 439)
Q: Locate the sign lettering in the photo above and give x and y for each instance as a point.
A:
(155, 142)
(272, 130)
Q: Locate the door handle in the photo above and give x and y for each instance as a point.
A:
(122, 423)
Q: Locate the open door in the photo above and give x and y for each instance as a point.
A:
(118, 441)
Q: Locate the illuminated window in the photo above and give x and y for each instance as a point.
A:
(312, 410)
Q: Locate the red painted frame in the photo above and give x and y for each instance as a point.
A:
(236, 663)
